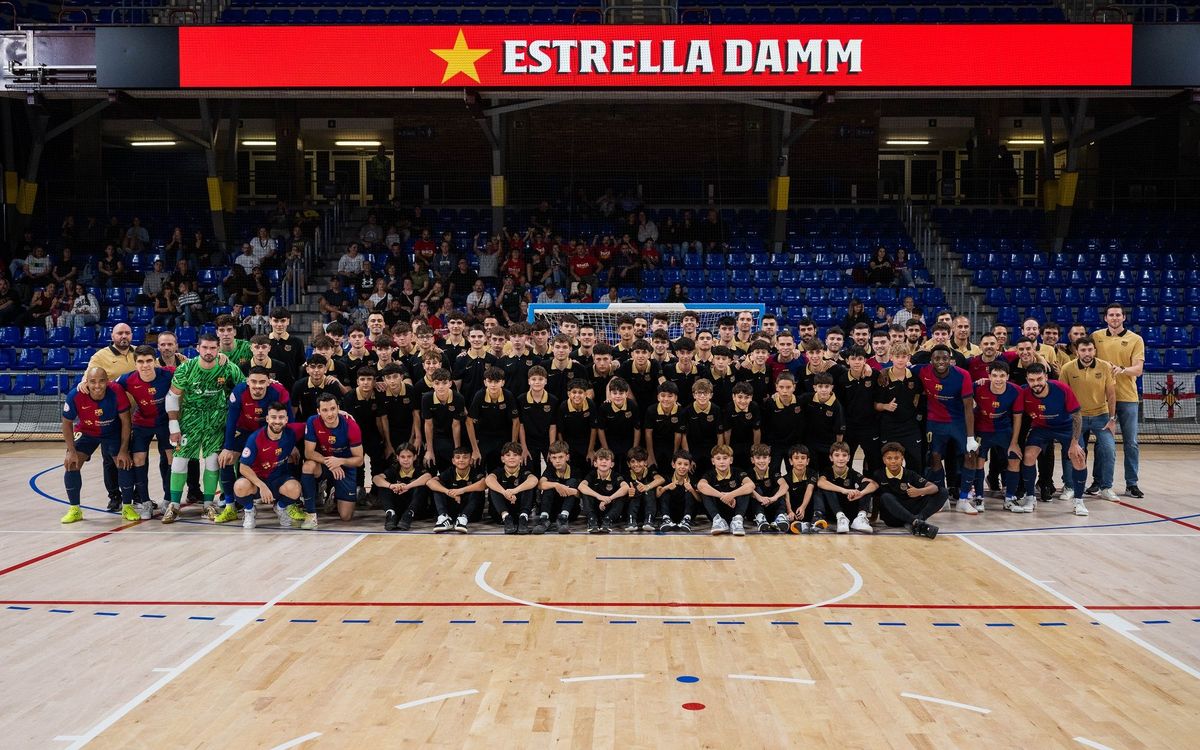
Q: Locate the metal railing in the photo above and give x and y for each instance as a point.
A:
(944, 268)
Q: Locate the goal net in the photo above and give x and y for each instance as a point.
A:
(604, 316)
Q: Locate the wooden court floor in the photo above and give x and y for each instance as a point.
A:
(1020, 631)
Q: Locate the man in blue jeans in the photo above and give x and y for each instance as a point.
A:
(1095, 388)
(1126, 351)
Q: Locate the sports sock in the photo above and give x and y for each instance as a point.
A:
(1010, 483)
(1029, 478)
(141, 478)
(226, 475)
(308, 489)
(74, 483)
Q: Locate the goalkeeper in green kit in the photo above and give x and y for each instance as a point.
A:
(197, 407)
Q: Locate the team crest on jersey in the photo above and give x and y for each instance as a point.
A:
(995, 405)
(450, 407)
(674, 420)
(332, 438)
(938, 387)
(709, 418)
(152, 391)
(1041, 407)
(546, 408)
(66, 408)
(1098, 375)
(99, 412)
(245, 453)
(829, 412)
(904, 486)
(221, 382)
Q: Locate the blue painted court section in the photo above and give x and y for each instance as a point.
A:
(893, 624)
(687, 678)
(651, 557)
(946, 625)
(355, 622)
(730, 622)
(1156, 622)
(677, 622)
(515, 622)
(622, 622)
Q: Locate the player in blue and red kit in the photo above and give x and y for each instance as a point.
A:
(999, 407)
(265, 468)
(950, 419)
(247, 412)
(96, 415)
(146, 388)
(1054, 417)
(332, 447)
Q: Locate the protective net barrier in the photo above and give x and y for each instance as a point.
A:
(604, 316)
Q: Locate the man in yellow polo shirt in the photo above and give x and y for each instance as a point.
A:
(1127, 353)
(1095, 388)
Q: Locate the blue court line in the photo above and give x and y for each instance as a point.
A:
(784, 622)
(497, 532)
(1194, 619)
(301, 620)
(201, 617)
(261, 619)
(1053, 624)
(676, 622)
(894, 624)
(462, 622)
(1156, 622)
(409, 622)
(1000, 625)
(25, 609)
(838, 623)
(652, 557)
(154, 617)
(947, 625)
(730, 622)
(622, 622)
(355, 622)
(580, 622)
(105, 614)
(62, 611)
(514, 622)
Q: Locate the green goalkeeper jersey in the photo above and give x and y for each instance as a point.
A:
(240, 354)
(204, 400)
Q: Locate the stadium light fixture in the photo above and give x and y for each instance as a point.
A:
(907, 142)
(1025, 141)
(151, 143)
(268, 144)
(358, 143)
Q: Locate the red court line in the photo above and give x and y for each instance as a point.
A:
(1158, 515)
(698, 605)
(67, 548)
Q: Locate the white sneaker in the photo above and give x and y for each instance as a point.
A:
(1080, 508)
(1029, 504)
(1010, 503)
(1108, 494)
(979, 505)
(860, 523)
(843, 523)
(285, 521)
(1067, 494)
(946, 508)
(310, 522)
(719, 526)
(966, 506)
(248, 519)
(145, 510)
(461, 525)
(443, 525)
(737, 527)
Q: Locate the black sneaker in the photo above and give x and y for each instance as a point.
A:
(1092, 489)
(593, 526)
(563, 525)
(542, 524)
(1047, 494)
(928, 530)
(389, 520)
(509, 526)
(685, 525)
(606, 527)
(523, 524)
(114, 506)
(764, 527)
(666, 524)
(405, 523)
(1133, 491)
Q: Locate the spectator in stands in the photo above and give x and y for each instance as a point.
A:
(677, 293)
(582, 293)
(62, 303)
(582, 267)
(904, 313)
(166, 307)
(183, 272)
(551, 294)
(85, 310)
(232, 287)
(479, 301)
(280, 222)
(334, 300)
(175, 247)
(40, 306)
(647, 230)
(352, 266)
(198, 249)
(35, 272)
(258, 289)
(67, 234)
(711, 233)
(191, 307)
(855, 314)
(443, 262)
(650, 257)
(488, 254)
(461, 281)
(437, 293)
(379, 176)
(613, 295)
(425, 248)
(879, 269)
(370, 234)
(900, 267)
(627, 268)
(153, 283)
(668, 238)
(379, 297)
(65, 268)
(606, 204)
(295, 266)
(881, 319)
(407, 295)
(247, 260)
(137, 238)
(508, 303)
(264, 246)
(542, 217)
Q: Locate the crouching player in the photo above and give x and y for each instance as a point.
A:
(842, 491)
(266, 471)
(603, 492)
(332, 448)
(643, 481)
(725, 491)
(905, 497)
(457, 493)
(512, 489)
(402, 490)
(677, 498)
(767, 500)
(559, 490)
(248, 405)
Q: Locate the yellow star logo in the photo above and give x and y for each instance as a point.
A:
(460, 59)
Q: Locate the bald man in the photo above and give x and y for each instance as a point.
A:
(96, 415)
(116, 359)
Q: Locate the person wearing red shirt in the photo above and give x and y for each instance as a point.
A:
(583, 266)
(425, 247)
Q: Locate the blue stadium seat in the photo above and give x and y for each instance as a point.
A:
(693, 277)
(30, 359)
(8, 359)
(85, 336)
(737, 278)
(59, 336)
(10, 336)
(24, 385)
(1176, 360)
(33, 336)
(57, 358)
(79, 360)
(187, 336)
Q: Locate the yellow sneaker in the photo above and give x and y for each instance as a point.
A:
(227, 514)
(75, 513)
(171, 513)
(296, 513)
(130, 514)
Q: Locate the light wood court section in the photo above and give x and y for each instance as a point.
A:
(1010, 663)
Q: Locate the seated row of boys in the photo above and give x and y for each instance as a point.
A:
(802, 501)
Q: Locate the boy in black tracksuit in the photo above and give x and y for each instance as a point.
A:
(783, 419)
(802, 484)
(603, 491)
(742, 425)
(457, 493)
(618, 423)
(512, 489)
(767, 500)
(402, 491)
(643, 481)
(664, 427)
(858, 399)
(576, 424)
(538, 413)
(842, 491)
(442, 414)
(677, 497)
(725, 492)
(493, 420)
(824, 420)
(559, 490)
(906, 498)
(703, 425)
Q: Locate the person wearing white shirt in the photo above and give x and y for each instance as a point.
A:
(248, 260)
(479, 301)
(263, 245)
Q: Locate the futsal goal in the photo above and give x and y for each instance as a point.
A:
(604, 315)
